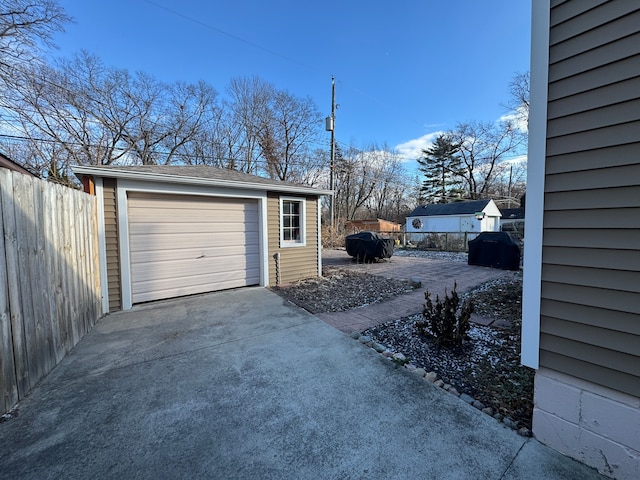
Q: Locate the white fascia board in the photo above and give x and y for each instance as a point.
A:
(531, 294)
(179, 179)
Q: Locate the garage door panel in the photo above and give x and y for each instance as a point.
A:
(190, 253)
(197, 282)
(191, 267)
(193, 215)
(181, 245)
(190, 228)
(164, 201)
(152, 242)
(149, 292)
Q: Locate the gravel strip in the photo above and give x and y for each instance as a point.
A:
(339, 290)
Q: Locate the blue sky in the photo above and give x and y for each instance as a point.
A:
(403, 69)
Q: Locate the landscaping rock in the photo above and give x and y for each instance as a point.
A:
(438, 383)
(355, 335)
(399, 357)
(524, 432)
(420, 371)
(454, 392)
(488, 411)
(479, 405)
(431, 377)
(365, 339)
(467, 398)
(378, 347)
(509, 423)
(415, 282)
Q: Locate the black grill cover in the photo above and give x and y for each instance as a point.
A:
(495, 249)
(367, 246)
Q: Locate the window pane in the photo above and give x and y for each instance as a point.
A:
(286, 207)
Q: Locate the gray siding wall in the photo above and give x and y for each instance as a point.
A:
(590, 305)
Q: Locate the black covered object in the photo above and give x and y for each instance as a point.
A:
(495, 249)
(367, 246)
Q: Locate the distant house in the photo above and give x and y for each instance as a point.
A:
(6, 162)
(375, 225)
(581, 296)
(168, 231)
(470, 217)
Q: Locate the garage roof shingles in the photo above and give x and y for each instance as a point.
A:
(195, 174)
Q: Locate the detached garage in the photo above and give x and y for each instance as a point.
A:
(170, 231)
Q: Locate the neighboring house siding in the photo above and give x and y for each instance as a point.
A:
(296, 263)
(112, 245)
(590, 302)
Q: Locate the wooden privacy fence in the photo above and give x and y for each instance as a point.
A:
(49, 278)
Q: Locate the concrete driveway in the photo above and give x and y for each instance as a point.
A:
(238, 385)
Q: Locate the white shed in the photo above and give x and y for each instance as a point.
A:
(470, 217)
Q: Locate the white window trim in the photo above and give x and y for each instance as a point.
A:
(303, 223)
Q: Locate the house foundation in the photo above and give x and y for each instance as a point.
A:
(593, 424)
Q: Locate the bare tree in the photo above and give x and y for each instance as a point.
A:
(98, 115)
(24, 26)
(483, 146)
(288, 129)
(248, 103)
(389, 197)
(518, 104)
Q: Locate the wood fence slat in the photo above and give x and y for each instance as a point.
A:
(26, 245)
(8, 380)
(81, 272)
(11, 196)
(52, 284)
(49, 274)
(46, 351)
(94, 261)
(72, 270)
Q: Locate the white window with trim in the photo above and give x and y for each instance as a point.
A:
(292, 222)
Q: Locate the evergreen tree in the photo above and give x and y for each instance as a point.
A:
(442, 168)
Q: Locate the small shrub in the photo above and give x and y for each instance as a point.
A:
(446, 321)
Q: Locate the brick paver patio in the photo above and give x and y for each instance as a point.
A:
(435, 275)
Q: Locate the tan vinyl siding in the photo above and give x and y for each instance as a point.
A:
(296, 263)
(112, 243)
(590, 299)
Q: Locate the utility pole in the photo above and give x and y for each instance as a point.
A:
(330, 126)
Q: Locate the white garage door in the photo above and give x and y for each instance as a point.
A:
(181, 245)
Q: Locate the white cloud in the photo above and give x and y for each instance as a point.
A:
(518, 117)
(412, 149)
